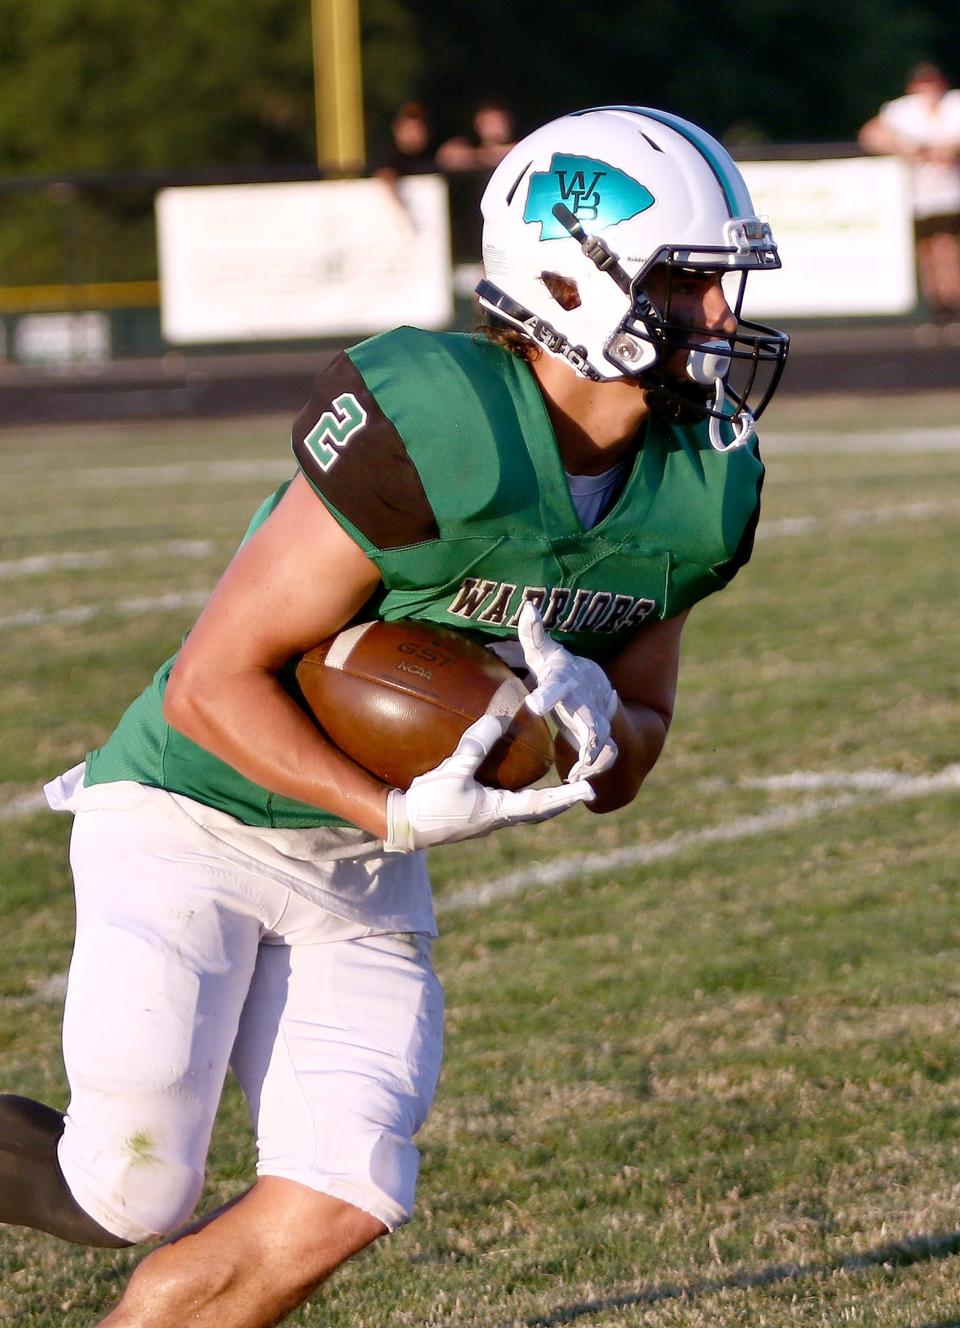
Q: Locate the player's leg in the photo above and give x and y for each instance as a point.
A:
(944, 263)
(927, 271)
(248, 1265)
(160, 971)
(338, 1053)
(938, 266)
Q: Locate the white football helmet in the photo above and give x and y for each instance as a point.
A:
(579, 213)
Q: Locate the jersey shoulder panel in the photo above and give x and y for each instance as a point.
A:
(352, 454)
(409, 430)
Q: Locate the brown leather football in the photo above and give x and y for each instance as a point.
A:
(397, 696)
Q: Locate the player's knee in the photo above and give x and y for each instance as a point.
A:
(392, 1166)
(161, 1196)
(381, 1178)
(134, 1189)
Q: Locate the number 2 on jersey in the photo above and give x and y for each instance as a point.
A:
(334, 429)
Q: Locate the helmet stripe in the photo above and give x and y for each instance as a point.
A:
(714, 154)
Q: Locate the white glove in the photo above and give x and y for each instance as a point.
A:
(447, 804)
(576, 690)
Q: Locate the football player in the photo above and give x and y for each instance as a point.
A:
(565, 485)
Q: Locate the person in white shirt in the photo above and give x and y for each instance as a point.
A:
(923, 128)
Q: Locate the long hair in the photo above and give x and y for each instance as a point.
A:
(507, 338)
(563, 290)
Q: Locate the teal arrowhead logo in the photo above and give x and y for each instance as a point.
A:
(596, 193)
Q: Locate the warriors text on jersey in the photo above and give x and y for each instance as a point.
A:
(436, 454)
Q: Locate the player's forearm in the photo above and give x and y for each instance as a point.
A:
(249, 721)
(640, 733)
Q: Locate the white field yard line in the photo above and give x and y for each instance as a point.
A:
(74, 560)
(788, 527)
(873, 791)
(81, 613)
(888, 785)
(857, 517)
(943, 439)
(178, 472)
(24, 804)
(806, 781)
(80, 559)
(871, 787)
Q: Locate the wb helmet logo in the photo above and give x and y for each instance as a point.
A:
(581, 197)
(595, 192)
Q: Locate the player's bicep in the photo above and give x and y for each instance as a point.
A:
(645, 671)
(297, 580)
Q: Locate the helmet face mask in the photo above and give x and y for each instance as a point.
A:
(621, 205)
(682, 381)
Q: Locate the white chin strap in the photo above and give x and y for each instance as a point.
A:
(709, 365)
(743, 424)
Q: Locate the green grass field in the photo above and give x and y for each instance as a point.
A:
(703, 1058)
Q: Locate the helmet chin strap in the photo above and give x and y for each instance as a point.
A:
(742, 423)
(707, 366)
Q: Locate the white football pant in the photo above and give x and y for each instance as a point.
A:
(185, 961)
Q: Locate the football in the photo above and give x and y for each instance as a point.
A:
(397, 696)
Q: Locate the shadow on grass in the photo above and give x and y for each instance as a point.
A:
(897, 1254)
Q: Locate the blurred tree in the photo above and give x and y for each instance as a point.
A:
(126, 84)
(393, 64)
(787, 70)
(111, 85)
(114, 85)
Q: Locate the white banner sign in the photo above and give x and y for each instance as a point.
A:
(272, 261)
(845, 234)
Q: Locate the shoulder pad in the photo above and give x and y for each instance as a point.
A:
(356, 460)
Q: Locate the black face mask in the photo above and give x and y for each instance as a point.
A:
(721, 377)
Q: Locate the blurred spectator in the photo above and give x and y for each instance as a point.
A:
(468, 161)
(923, 127)
(491, 138)
(412, 150)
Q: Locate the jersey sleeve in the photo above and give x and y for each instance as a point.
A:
(356, 460)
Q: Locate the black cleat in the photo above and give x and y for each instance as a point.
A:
(33, 1192)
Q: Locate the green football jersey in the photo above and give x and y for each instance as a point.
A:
(436, 454)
